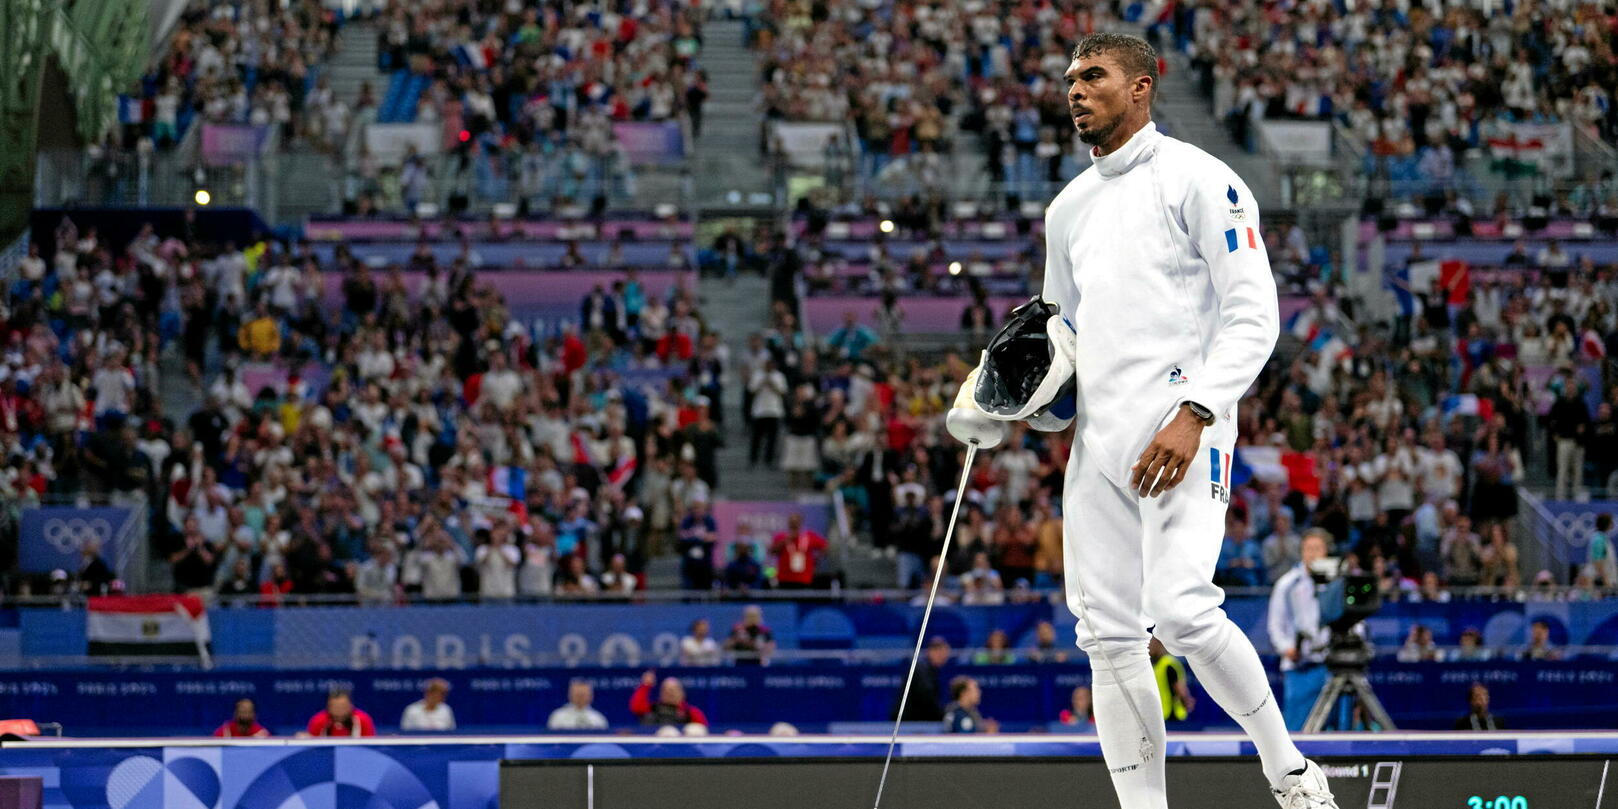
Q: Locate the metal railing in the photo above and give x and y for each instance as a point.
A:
(1052, 595)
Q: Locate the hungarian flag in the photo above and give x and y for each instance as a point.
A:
(148, 625)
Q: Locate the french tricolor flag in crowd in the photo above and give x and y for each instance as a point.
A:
(1468, 404)
(471, 55)
(509, 481)
(148, 625)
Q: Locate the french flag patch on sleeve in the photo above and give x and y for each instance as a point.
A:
(1242, 235)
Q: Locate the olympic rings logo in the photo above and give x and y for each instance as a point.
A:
(69, 534)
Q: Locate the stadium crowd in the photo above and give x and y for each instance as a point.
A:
(392, 440)
(238, 62)
(527, 98)
(1422, 88)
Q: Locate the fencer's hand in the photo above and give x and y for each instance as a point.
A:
(1162, 466)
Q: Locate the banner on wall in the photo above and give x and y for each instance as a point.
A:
(51, 536)
(805, 143)
(651, 143)
(1297, 143)
(389, 143)
(228, 144)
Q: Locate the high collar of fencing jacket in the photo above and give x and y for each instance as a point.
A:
(1137, 150)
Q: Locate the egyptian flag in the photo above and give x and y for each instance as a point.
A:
(172, 625)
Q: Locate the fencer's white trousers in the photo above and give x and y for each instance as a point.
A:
(1146, 565)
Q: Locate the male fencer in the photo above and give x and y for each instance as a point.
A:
(1158, 313)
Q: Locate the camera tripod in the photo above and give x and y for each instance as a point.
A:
(1347, 659)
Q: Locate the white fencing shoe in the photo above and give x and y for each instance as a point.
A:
(1304, 789)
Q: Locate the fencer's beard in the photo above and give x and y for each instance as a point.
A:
(1096, 135)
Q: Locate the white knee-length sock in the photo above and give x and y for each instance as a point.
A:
(1139, 783)
(1233, 675)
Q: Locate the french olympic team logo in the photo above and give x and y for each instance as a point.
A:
(1219, 474)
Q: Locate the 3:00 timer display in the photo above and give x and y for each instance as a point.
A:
(1497, 802)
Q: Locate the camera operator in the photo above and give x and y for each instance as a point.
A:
(1296, 633)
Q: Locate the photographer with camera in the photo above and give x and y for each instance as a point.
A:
(1296, 633)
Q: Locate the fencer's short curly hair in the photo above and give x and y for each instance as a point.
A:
(1135, 55)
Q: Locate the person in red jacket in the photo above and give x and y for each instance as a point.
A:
(341, 718)
(244, 724)
(796, 550)
(670, 708)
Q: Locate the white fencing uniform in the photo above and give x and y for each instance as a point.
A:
(1156, 258)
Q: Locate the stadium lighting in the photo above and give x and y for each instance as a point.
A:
(955, 268)
(886, 226)
(203, 197)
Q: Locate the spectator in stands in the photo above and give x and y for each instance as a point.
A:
(435, 566)
(797, 552)
(1282, 548)
(341, 718)
(1045, 650)
(239, 583)
(800, 457)
(981, 584)
(1569, 425)
(1499, 566)
(194, 562)
(577, 714)
(496, 559)
(670, 709)
(1014, 545)
(616, 579)
(1602, 567)
(94, 576)
(750, 641)
(378, 578)
(574, 578)
(274, 590)
(744, 573)
(698, 533)
(962, 715)
(1539, 643)
(1478, 716)
(997, 650)
(1418, 646)
(430, 712)
(1462, 552)
(243, 723)
(1241, 560)
(1079, 716)
(768, 388)
(912, 534)
(698, 648)
(1472, 649)
(852, 340)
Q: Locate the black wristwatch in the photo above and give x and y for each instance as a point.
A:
(1200, 412)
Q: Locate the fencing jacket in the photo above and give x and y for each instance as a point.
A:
(1156, 257)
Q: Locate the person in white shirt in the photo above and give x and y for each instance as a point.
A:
(1440, 470)
(577, 713)
(430, 712)
(699, 648)
(1155, 260)
(769, 388)
(497, 565)
(1295, 632)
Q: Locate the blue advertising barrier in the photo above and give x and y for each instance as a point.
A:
(120, 704)
(521, 635)
(51, 536)
(464, 773)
